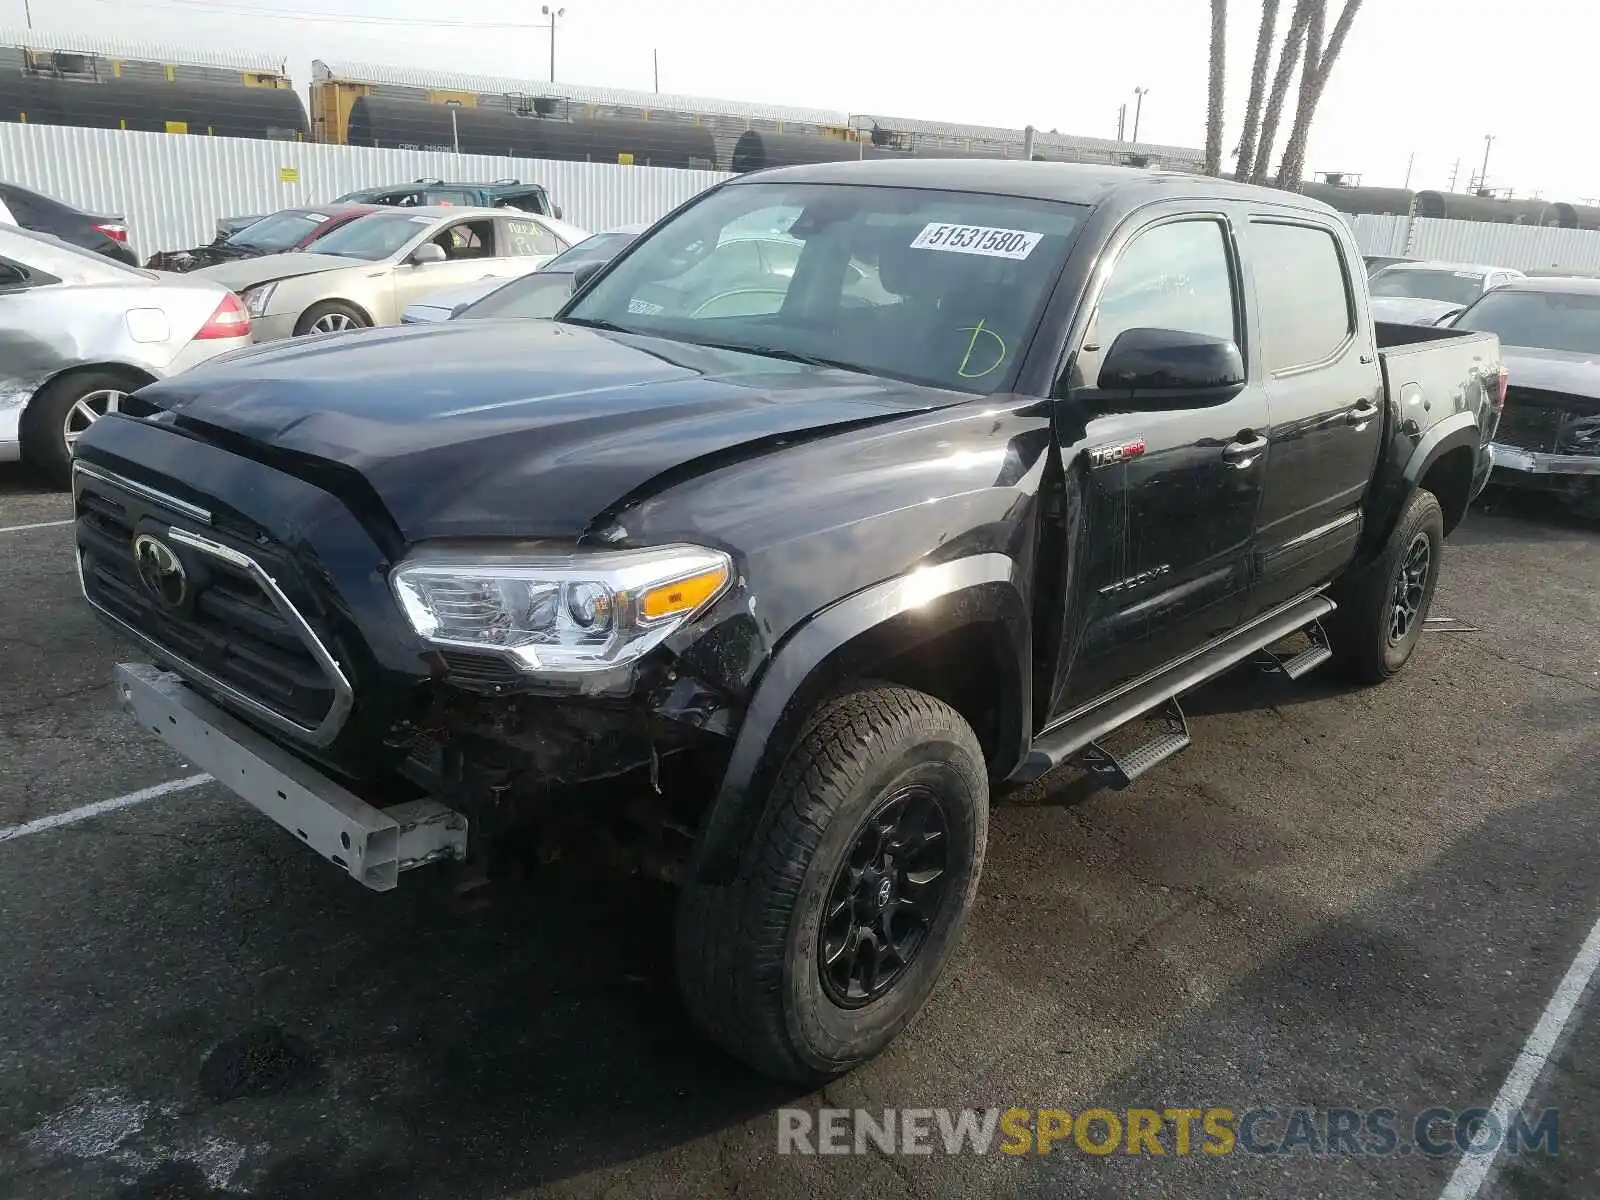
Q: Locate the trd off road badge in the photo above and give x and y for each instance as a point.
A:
(1115, 452)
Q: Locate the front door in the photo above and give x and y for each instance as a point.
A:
(1159, 505)
(470, 248)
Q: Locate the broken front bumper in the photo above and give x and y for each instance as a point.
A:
(1537, 462)
(372, 845)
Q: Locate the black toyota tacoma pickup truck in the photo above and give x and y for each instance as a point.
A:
(1006, 458)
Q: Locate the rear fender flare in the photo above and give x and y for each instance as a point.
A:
(1449, 433)
(843, 642)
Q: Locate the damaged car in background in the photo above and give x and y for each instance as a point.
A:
(282, 232)
(1549, 434)
(366, 272)
(80, 332)
(1426, 293)
(783, 585)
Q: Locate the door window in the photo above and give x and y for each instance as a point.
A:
(467, 239)
(1174, 276)
(1304, 294)
(529, 238)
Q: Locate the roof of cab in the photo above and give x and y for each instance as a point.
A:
(1072, 183)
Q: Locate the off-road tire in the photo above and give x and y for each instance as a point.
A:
(748, 951)
(357, 318)
(1359, 629)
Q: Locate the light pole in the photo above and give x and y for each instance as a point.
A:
(552, 13)
(1483, 175)
(455, 133)
(1139, 93)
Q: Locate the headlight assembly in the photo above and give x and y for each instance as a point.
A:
(256, 299)
(559, 612)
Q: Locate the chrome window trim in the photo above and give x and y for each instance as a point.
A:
(325, 731)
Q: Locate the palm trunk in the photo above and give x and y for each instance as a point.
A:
(1294, 157)
(1287, 58)
(1219, 50)
(1258, 89)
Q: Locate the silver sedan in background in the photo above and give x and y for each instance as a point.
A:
(80, 332)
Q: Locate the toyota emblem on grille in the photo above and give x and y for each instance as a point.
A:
(160, 570)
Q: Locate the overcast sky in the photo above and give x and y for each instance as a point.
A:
(1416, 75)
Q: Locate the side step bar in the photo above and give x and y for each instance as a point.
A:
(1303, 663)
(1119, 772)
(1063, 742)
(371, 845)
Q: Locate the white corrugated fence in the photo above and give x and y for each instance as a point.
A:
(171, 189)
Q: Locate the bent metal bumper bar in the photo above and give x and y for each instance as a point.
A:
(372, 845)
(1534, 462)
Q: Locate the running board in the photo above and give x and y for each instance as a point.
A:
(1059, 745)
(1119, 772)
(1276, 662)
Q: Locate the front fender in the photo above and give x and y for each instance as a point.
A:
(845, 641)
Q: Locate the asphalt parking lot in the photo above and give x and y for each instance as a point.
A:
(1334, 899)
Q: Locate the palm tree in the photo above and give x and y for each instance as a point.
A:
(1287, 58)
(1318, 66)
(1258, 88)
(1219, 49)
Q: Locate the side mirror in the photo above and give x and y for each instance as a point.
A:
(555, 211)
(428, 252)
(583, 272)
(1162, 365)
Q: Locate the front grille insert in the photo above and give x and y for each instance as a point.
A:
(233, 629)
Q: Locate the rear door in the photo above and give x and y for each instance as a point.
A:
(1160, 504)
(526, 244)
(1325, 390)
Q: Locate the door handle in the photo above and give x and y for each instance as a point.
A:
(1363, 412)
(1240, 455)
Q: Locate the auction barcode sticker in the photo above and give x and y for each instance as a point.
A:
(976, 239)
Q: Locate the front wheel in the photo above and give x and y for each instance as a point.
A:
(834, 934)
(1382, 607)
(331, 316)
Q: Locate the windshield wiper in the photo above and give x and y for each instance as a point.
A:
(795, 356)
(597, 323)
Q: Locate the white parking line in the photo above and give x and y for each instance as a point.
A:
(73, 816)
(35, 525)
(1472, 1171)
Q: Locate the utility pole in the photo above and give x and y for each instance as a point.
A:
(455, 133)
(27, 14)
(1139, 93)
(1454, 171)
(655, 60)
(1410, 162)
(1483, 175)
(552, 13)
(1122, 119)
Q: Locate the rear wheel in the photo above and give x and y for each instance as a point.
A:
(331, 316)
(61, 411)
(1382, 607)
(837, 929)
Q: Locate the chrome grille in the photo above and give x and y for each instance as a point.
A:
(233, 631)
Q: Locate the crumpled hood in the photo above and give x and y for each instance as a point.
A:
(1565, 371)
(251, 271)
(514, 428)
(1410, 310)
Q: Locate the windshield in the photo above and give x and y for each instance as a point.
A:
(372, 237)
(1547, 320)
(935, 287)
(1454, 287)
(540, 294)
(602, 247)
(280, 231)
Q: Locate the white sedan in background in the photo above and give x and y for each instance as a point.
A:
(1424, 293)
(80, 332)
(366, 272)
